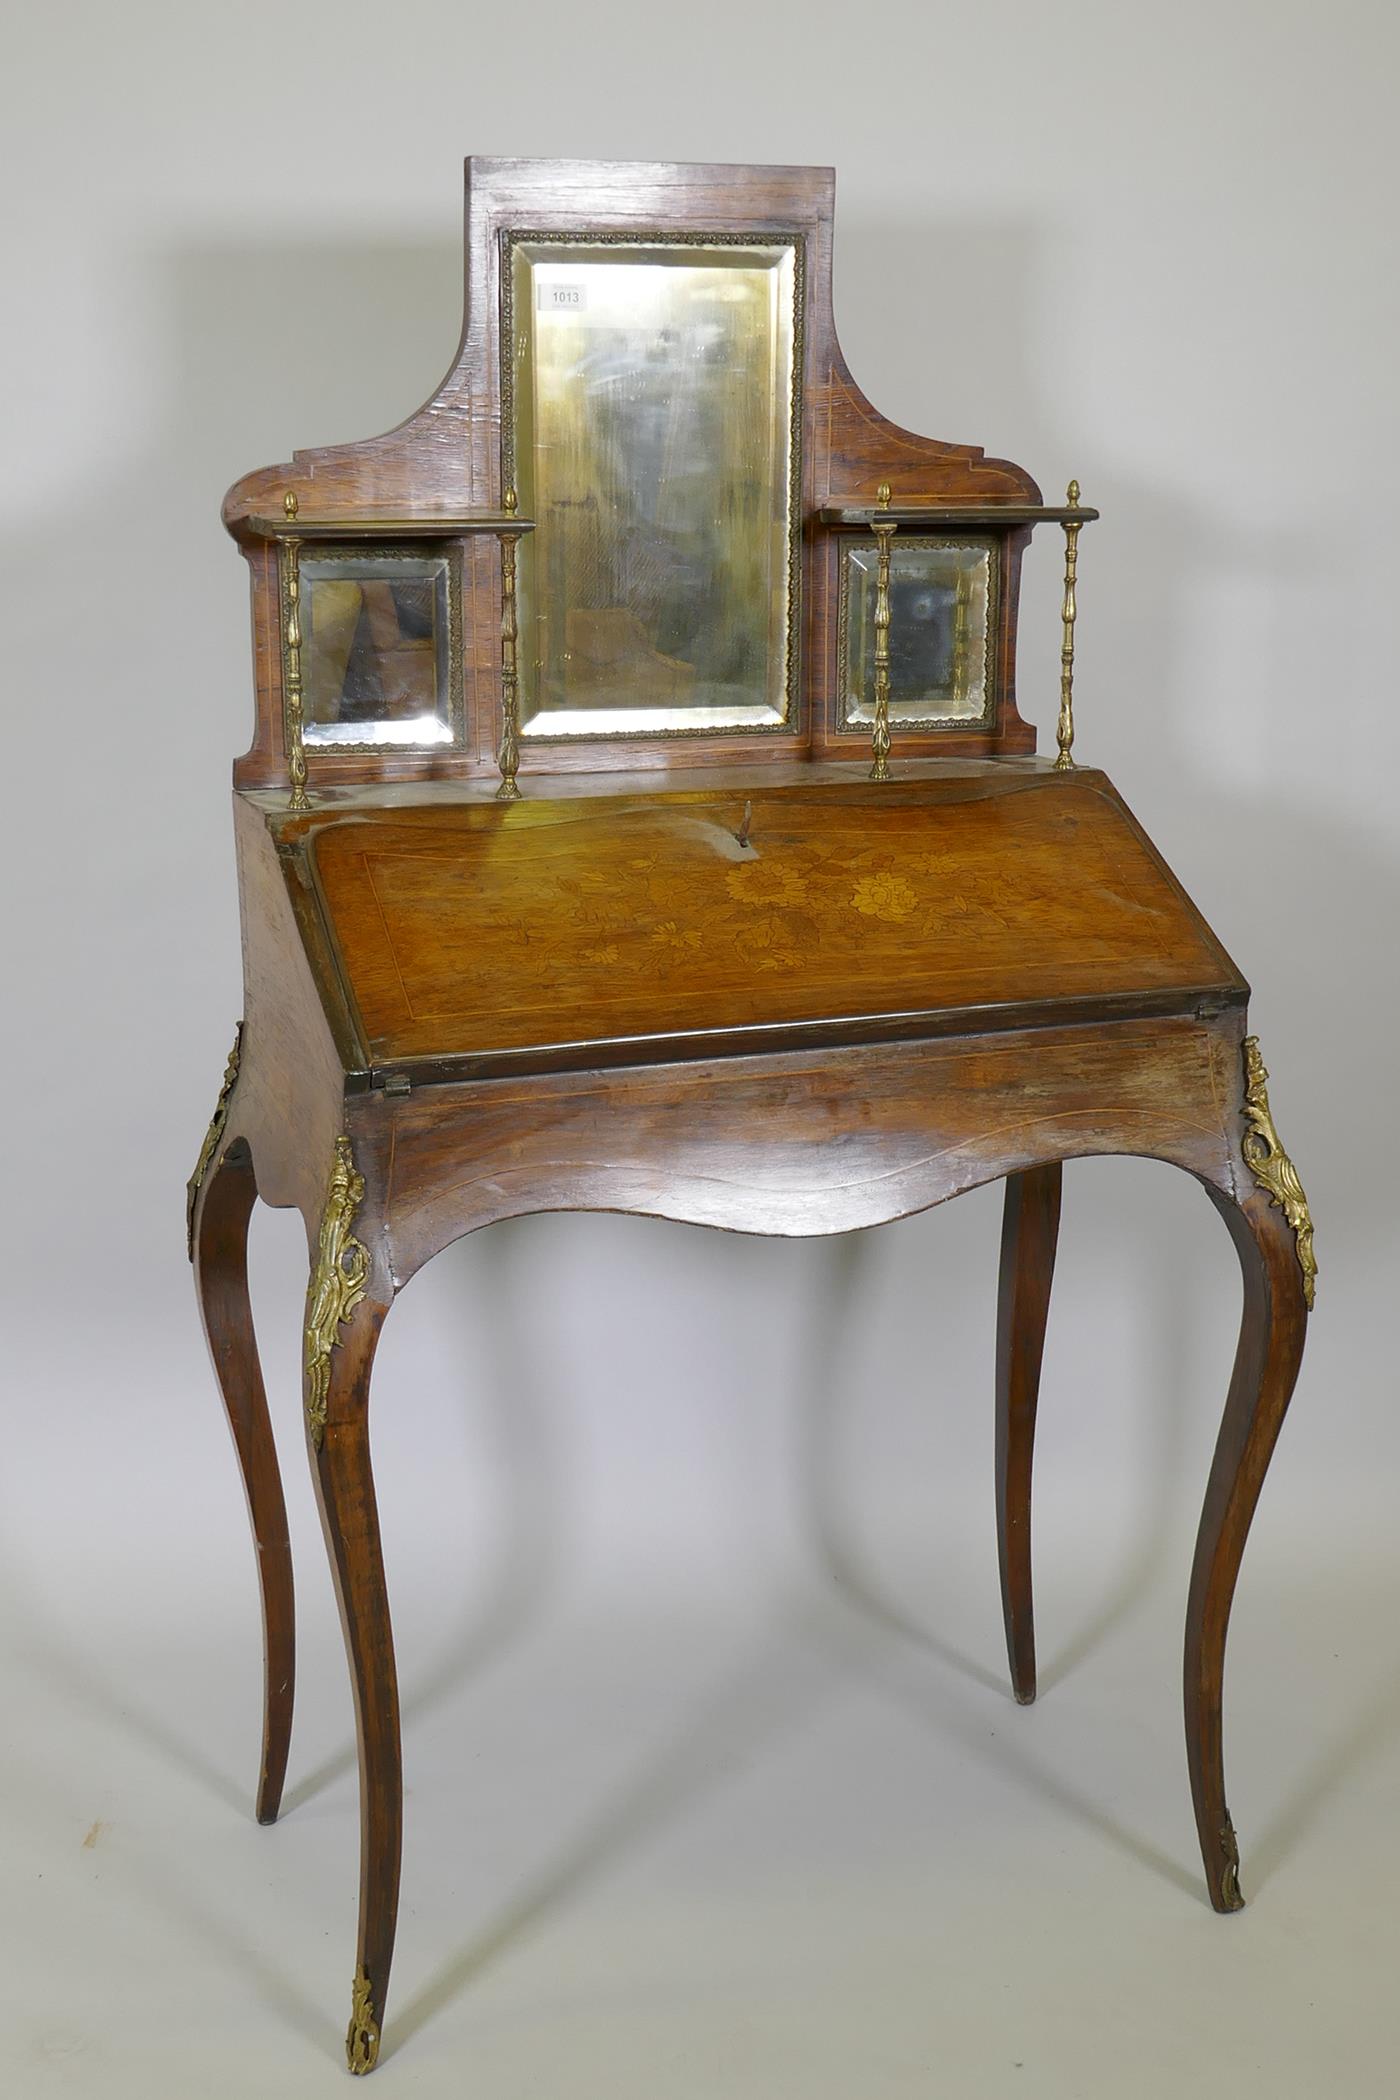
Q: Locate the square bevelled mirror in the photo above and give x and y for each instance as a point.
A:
(381, 659)
(942, 613)
(652, 432)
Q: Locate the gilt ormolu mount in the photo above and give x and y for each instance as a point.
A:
(639, 817)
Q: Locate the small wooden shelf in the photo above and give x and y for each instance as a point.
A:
(862, 515)
(446, 525)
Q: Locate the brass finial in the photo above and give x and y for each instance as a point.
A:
(509, 759)
(1065, 727)
(884, 531)
(289, 503)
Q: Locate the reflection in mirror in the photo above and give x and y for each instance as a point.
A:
(941, 595)
(378, 649)
(652, 416)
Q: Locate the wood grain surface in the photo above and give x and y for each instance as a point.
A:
(797, 1143)
(468, 929)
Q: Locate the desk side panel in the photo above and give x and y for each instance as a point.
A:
(291, 1085)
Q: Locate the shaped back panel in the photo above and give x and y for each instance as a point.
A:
(648, 352)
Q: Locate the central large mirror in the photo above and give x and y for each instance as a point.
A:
(652, 432)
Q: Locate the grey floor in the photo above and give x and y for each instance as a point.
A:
(715, 1788)
(796, 1842)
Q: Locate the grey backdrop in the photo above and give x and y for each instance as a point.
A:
(715, 1785)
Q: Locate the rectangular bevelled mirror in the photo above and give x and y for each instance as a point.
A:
(942, 599)
(652, 432)
(379, 652)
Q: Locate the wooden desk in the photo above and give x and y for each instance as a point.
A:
(682, 974)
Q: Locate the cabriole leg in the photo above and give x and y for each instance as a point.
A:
(1030, 1228)
(343, 1323)
(1266, 1367)
(223, 1201)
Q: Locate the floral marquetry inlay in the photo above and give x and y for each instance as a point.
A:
(570, 920)
(773, 910)
(885, 896)
(765, 882)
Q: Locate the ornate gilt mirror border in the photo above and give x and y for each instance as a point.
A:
(850, 725)
(514, 237)
(293, 594)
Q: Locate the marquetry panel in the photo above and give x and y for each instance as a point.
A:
(481, 926)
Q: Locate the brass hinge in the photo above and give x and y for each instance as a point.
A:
(397, 1085)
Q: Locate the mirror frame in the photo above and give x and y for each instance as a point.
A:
(352, 552)
(931, 724)
(512, 238)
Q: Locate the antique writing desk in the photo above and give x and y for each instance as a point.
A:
(639, 818)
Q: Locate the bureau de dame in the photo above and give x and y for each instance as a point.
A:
(639, 816)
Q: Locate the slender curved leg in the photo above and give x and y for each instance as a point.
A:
(1266, 1366)
(223, 1205)
(338, 1438)
(1030, 1228)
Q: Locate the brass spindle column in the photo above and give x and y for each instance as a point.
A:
(291, 662)
(509, 759)
(1065, 728)
(884, 530)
